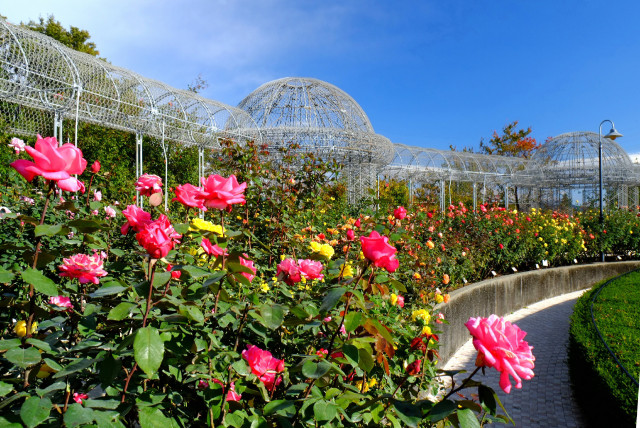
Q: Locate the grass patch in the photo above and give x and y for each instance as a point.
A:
(605, 392)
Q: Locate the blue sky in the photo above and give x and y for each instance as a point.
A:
(427, 73)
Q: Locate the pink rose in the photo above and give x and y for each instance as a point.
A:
(175, 274)
(291, 271)
(97, 195)
(264, 365)
(310, 269)
(17, 144)
(213, 249)
(400, 301)
(148, 184)
(137, 218)
(95, 167)
(500, 345)
(232, 395)
(53, 163)
(190, 196)
(377, 249)
(85, 268)
(220, 192)
(357, 223)
(158, 237)
(110, 212)
(61, 302)
(249, 264)
(79, 397)
(400, 213)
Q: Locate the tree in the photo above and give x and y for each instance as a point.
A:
(74, 38)
(513, 142)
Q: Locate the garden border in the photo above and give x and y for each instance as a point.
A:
(505, 294)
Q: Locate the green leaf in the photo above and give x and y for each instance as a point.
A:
(467, 419)
(331, 299)
(116, 252)
(366, 362)
(195, 272)
(48, 229)
(6, 276)
(161, 278)
(148, 350)
(108, 290)
(408, 412)
(40, 282)
(23, 357)
(241, 367)
(352, 321)
(40, 344)
(51, 388)
(77, 415)
(108, 419)
(314, 370)
(85, 226)
(282, 407)
(121, 311)
(181, 228)
(486, 397)
(5, 388)
(152, 417)
(352, 354)
(324, 410)
(9, 343)
(398, 285)
(35, 410)
(191, 312)
(441, 410)
(74, 367)
(273, 315)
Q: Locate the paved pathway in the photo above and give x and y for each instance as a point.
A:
(547, 399)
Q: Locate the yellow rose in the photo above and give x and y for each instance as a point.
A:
(21, 328)
(393, 299)
(439, 298)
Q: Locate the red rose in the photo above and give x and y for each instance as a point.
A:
(95, 167)
(158, 237)
(212, 249)
(137, 218)
(351, 235)
(400, 213)
(247, 263)
(53, 163)
(264, 365)
(377, 249)
(291, 271)
(190, 196)
(220, 192)
(414, 368)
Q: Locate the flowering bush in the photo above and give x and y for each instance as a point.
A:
(239, 319)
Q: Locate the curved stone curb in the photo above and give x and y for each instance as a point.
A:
(506, 294)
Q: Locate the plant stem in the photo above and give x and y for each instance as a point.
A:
(463, 385)
(149, 304)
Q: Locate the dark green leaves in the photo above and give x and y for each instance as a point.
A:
(35, 410)
(331, 299)
(23, 357)
(314, 370)
(40, 282)
(148, 350)
(50, 230)
(273, 315)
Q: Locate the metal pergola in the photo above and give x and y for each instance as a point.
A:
(43, 82)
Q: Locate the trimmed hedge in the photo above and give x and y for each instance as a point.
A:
(606, 394)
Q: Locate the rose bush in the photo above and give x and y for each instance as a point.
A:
(267, 332)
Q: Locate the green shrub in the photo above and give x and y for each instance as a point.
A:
(606, 393)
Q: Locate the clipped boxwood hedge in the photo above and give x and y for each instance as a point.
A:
(606, 394)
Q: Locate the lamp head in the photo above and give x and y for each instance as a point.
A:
(613, 134)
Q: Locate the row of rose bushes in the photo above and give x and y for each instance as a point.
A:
(257, 314)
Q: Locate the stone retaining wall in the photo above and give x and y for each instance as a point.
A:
(506, 294)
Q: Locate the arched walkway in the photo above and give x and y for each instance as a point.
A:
(547, 399)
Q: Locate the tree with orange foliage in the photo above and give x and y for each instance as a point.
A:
(513, 142)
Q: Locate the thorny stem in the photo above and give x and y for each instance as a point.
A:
(463, 385)
(144, 324)
(89, 189)
(32, 294)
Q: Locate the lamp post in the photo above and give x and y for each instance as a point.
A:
(612, 135)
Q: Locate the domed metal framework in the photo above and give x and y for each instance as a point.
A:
(565, 171)
(322, 119)
(42, 83)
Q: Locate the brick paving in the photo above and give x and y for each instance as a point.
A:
(547, 399)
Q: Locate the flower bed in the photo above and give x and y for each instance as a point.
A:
(255, 315)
